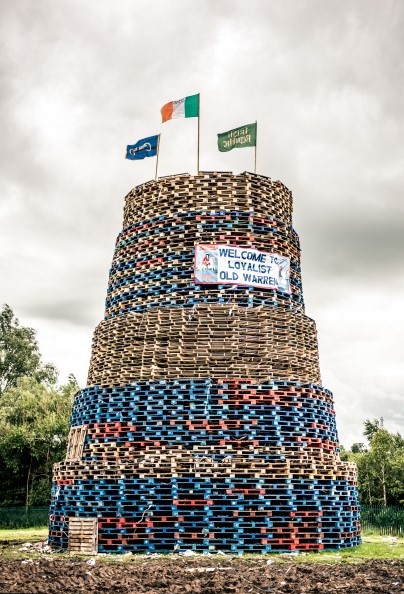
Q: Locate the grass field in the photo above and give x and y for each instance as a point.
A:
(373, 547)
(24, 534)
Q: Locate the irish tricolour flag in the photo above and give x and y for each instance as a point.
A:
(188, 107)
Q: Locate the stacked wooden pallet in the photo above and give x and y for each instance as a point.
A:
(153, 259)
(204, 425)
(246, 192)
(209, 339)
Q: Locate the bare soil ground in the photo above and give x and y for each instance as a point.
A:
(197, 575)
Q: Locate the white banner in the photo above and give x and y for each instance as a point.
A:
(236, 265)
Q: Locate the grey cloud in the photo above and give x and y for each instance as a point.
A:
(323, 79)
(77, 310)
(357, 248)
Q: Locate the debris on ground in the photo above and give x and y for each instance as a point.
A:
(57, 574)
(36, 547)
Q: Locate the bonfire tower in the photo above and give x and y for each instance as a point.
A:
(204, 425)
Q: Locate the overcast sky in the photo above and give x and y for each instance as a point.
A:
(325, 81)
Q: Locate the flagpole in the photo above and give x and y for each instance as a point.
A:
(157, 159)
(255, 152)
(199, 119)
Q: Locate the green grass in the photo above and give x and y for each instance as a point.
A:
(373, 547)
(22, 535)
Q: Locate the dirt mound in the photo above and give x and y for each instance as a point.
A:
(197, 575)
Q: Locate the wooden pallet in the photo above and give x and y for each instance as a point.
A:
(211, 339)
(75, 442)
(83, 536)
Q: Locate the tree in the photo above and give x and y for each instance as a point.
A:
(358, 448)
(19, 353)
(371, 428)
(381, 468)
(343, 453)
(34, 423)
(34, 415)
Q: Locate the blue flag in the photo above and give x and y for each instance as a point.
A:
(146, 147)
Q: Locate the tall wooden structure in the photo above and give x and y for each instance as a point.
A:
(204, 424)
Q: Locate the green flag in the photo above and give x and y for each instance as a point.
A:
(237, 138)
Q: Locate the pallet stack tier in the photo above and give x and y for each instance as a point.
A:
(204, 425)
(258, 342)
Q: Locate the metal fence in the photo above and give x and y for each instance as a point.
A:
(20, 517)
(375, 519)
(386, 521)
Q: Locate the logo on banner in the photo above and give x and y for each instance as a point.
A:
(206, 269)
(143, 147)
